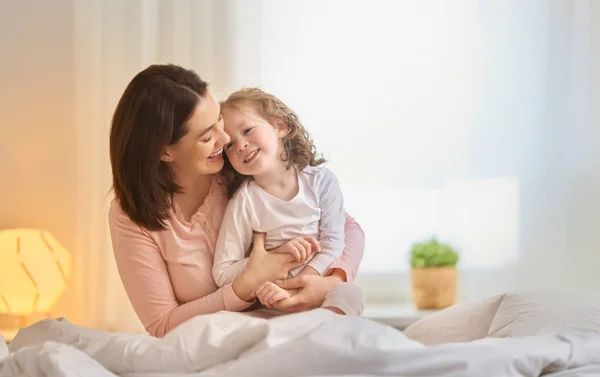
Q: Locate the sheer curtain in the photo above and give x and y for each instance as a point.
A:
(476, 121)
(113, 41)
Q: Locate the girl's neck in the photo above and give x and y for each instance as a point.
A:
(193, 194)
(281, 182)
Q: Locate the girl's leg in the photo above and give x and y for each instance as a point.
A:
(346, 299)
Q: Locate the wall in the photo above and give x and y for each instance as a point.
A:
(37, 132)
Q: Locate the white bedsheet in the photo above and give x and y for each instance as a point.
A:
(316, 343)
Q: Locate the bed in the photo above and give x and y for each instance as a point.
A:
(555, 335)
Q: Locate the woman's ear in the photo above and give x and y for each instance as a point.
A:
(166, 156)
(281, 127)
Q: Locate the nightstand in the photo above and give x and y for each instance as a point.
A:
(399, 315)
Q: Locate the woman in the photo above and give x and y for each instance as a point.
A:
(166, 146)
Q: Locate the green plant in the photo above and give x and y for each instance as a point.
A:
(432, 253)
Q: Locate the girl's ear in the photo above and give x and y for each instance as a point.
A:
(281, 127)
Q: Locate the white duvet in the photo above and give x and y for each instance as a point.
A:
(315, 343)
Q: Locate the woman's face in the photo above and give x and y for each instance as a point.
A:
(200, 150)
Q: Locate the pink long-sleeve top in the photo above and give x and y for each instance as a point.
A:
(168, 274)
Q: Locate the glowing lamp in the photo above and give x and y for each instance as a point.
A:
(34, 269)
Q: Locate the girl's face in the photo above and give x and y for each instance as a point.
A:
(255, 145)
(200, 150)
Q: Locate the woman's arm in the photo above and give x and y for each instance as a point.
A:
(146, 280)
(147, 283)
(348, 263)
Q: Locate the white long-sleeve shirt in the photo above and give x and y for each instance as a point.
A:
(317, 210)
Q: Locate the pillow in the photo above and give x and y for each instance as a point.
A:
(459, 323)
(3, 348)
(543, 313)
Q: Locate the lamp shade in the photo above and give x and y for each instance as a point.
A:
(34, 269)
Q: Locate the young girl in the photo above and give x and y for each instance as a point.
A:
(278, 186)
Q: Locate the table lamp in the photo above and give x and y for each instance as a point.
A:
(34, 269)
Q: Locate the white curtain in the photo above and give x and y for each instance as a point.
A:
(476, 121)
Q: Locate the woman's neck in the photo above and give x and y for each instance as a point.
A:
(194, 192)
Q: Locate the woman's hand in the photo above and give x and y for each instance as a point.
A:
(302, 248)
(312, 291)
(262, 266)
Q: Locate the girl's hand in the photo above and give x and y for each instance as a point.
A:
(270, 293)
(262, 266)
(302, 248)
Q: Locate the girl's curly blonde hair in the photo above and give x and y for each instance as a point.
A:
(299, 150)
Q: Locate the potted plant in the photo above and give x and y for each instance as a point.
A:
(434, 275)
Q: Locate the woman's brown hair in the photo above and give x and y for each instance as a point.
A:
(151, 114)
(299, 150)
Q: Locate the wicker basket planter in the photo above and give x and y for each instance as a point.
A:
(434, 275)
(434, 287)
